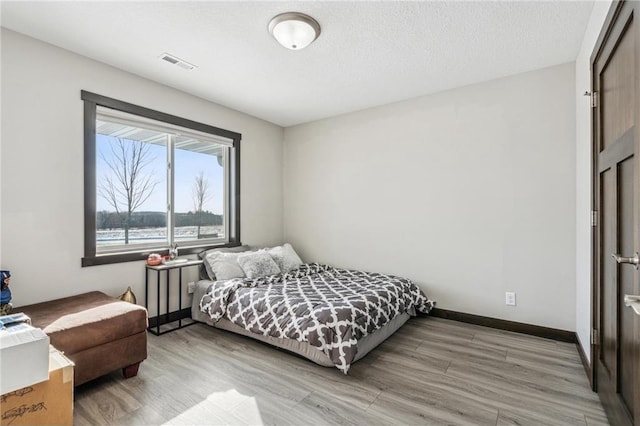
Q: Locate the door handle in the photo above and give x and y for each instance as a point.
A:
(635, 260)
(632, 302)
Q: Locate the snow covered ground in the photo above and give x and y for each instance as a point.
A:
(106, 237)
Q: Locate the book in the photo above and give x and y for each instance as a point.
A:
(7, 321)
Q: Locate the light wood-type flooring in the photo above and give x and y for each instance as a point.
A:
(432, 371)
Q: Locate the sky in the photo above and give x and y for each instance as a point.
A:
(187, 166)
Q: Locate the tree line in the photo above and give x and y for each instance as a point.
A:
(114, 220)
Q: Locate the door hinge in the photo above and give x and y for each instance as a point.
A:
(594, 337)
(594, 218)
(594, 100)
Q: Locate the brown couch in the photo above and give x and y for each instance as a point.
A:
(99, 333)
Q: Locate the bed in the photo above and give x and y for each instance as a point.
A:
(329, 315)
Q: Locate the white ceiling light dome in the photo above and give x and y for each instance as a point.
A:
(294, 30)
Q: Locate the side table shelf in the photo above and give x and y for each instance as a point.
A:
(167, 317)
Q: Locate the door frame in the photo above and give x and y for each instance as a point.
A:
(612, 14)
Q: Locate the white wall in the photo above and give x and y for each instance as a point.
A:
(583, 175)
(462, 154)
(469, 192)
(42, 167)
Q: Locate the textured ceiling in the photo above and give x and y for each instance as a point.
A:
(369, 53)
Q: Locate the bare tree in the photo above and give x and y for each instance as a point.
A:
(200, 196)
(127, 187)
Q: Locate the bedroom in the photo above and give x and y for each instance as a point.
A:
(458, 187)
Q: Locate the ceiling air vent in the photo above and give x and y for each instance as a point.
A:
(177, 61)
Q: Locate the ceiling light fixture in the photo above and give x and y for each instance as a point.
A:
(294, 30)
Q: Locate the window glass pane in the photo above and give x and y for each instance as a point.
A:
(199, 190)
(131, 187)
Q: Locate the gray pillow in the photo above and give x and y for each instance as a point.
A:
(285, 257)
(205, 272)
(224, 266)
(258, 264)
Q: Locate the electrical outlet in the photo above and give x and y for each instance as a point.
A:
(510, 298)
(191, 287)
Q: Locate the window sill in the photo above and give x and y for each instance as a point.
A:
(107, 259)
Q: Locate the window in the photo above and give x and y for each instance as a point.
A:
(153, 180)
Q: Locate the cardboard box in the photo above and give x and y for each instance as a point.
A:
(24, 357)
(46, 403)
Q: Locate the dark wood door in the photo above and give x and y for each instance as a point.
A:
(615, 67)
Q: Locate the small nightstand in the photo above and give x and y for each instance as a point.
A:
(167, 317)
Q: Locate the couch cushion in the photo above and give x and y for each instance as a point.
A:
(91, 319)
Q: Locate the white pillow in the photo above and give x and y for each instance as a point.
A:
(205, 271)
(224, 265)
(258, 264)
(285, 257)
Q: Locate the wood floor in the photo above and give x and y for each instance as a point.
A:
(432, 371)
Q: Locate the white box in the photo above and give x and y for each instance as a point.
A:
(24, 357)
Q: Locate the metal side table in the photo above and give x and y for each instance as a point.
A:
(167, 317)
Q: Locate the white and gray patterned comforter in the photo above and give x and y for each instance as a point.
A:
(328, 307)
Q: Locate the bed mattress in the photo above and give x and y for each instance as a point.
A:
(365, 344)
